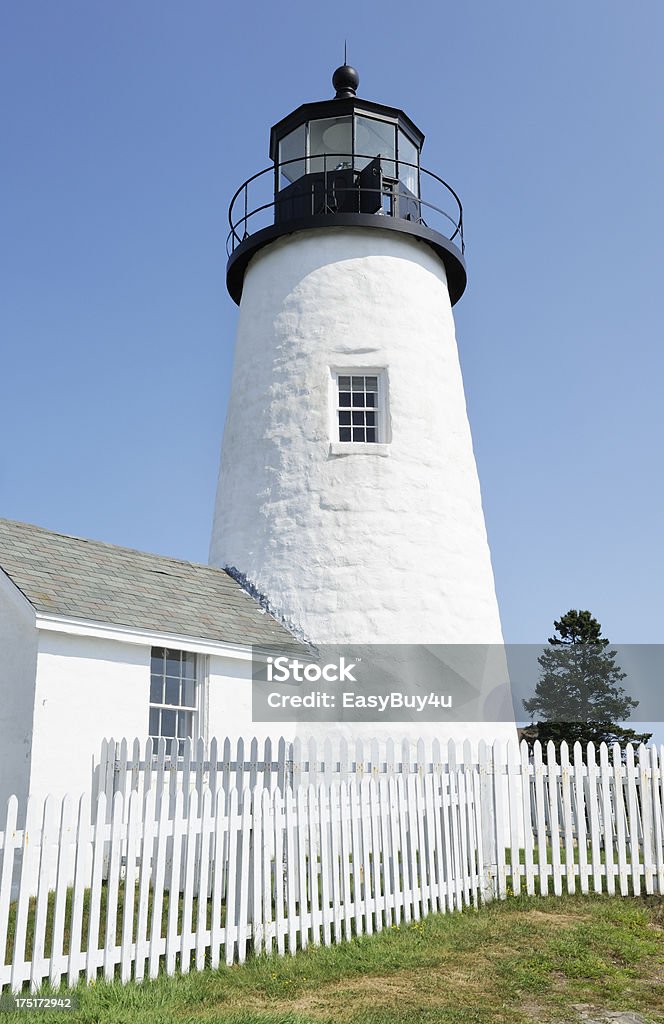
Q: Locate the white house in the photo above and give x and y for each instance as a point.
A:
(101, 641)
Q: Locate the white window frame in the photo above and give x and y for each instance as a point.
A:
(378, 447)
(199, 707)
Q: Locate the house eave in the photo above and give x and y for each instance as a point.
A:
(131, 635)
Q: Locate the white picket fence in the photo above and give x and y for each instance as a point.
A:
(126, 766)
(204, 878)
(192, 888)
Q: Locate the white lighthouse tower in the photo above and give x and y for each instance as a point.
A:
(348, 493)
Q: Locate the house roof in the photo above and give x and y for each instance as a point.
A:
(73, 577)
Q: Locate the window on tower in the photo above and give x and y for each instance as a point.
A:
(358, 410)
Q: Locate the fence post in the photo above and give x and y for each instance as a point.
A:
(488, 817)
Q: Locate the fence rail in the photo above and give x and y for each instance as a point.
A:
(125, 766)
(154, 884)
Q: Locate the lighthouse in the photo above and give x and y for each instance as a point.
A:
(348, 495)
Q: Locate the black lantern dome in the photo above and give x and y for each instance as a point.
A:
(346, 162)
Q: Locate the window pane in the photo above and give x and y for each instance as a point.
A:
(358, 383)
(154, 722)
(172, 695)
(168, 723)
(344, 382)
(371, 383)
(344, 398)
(371, 399)
(290, 148)
(188, 698)
(344, 433)
(156, 690)
(173, 663)
(358, 398)
(375, 138)
(358, 419)
(157, 660)
(408, 153)
(184, 724)
(188, 665)
(358, 433)
(371, 419)
(344, 419)
(371, 434)
(330, 136)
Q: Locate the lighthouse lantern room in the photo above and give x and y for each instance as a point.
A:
(348, 159)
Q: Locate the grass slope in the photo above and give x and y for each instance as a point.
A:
(523, 959)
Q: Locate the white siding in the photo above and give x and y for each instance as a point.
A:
(18, 660)
(87, 689)
(229, 701)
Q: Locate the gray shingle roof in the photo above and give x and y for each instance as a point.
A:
(88, 579)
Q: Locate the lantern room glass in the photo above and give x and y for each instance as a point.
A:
(330, 144)
(375, 138)
(291, 147)
(408, 164)
(335, 143)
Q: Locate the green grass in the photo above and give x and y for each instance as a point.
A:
(522, 959)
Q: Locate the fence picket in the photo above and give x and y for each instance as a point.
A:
(632, 820)
(50, 828)
(187, 938)
(157, 944)
(580, 817)
(9, 845)
(115, 853)
(554, 817)
(145, 868)
(527, 794)
(346, 858)
(290, 876)
(94, 955)
(65, 856)
(179, 824)
(657, 824)
(243, 888)
(76, 960)
(133, 827)
(645, 789)
(234, 824)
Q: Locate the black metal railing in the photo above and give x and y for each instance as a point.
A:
(339, 188)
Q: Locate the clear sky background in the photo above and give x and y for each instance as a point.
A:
(126, 128)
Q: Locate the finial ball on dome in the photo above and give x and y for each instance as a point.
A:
(345, 80)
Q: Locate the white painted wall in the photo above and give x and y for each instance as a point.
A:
(18, 661)
(87, 689)
(353, 547)
(350, 546)
(229, 701)
(90, 688)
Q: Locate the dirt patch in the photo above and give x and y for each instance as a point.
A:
(445, 986)
(553, 917)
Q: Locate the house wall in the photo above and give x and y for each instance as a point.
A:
(18, 644)
(229, 702)
(91, 688)
(87, 688)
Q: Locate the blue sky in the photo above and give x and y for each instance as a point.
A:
(127, 128)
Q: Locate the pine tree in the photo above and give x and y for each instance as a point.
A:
(578, 695)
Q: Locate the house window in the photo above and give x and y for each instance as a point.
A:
(358, 407)
(172, 695)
